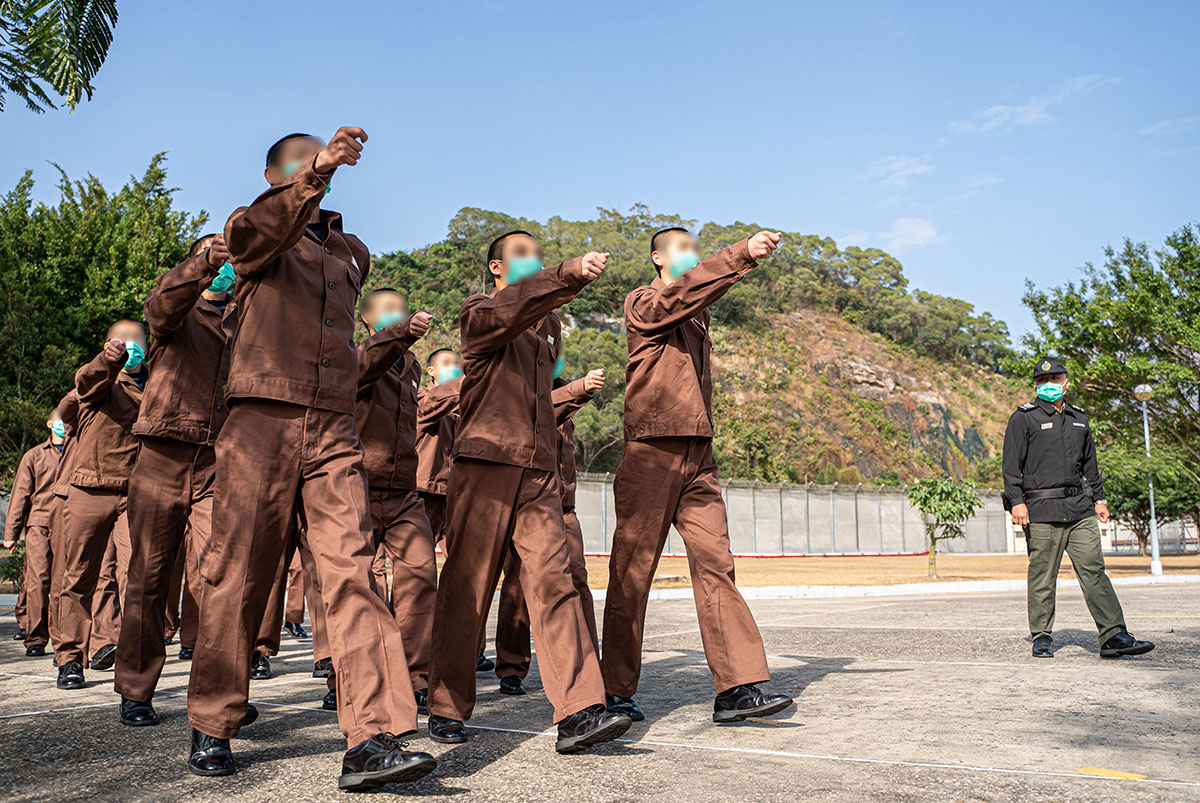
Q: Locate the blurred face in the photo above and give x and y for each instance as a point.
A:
(291, 156)
(518, 246)
(130, 332)
(674, 248)
(442, 363)
(54, 422)
(384, 309)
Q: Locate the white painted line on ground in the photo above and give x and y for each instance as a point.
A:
(781, 619)
(58, 710)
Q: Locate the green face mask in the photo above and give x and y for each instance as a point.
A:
(388, 319)
(521, 268)
(224, 279)
(682, 262)
(449, 374)
(558, 367)
(134, 354)
(58, 428)
(1049, 391)
(290, 169)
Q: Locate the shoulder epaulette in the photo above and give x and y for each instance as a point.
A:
(1074, 407)
(1027, 406)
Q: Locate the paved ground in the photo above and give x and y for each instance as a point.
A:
(900, 698)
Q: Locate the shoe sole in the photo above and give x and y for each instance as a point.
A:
(261, 676)
(575, 744)
(361, 781)
(481, 669)
(324, 674)
(71, 684)
(1043, 655)
(249, 718)
(102, 666)
(725, 717)
(1129, 651)
(449, 739)
(512, 692)
(139, 723)
(212, 773)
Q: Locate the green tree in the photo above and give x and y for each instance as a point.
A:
(66, 272)
(945, 504)
(55, 45)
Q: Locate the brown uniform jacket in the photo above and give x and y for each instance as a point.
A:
(386, 408)
(189, 356)
(509, 349)
(668, 381)
(569, 398)
(109, 399)
(33, 488)
(68, 408)
(295, 297)
(437, 418)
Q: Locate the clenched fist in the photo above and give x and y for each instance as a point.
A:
(594, 380)
(114, 351)
(344, 148)
(1020, 515)
(218, 253)
(418, 324)
(593, 265)
(763, 243)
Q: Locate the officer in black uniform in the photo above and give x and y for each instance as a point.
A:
(1050, 482)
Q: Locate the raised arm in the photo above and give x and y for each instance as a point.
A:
(569, 398)
(489, 323)
(68, 408)
(94, 380)
(175, 294)
(436, 402)
(258, 233)
(650, 310)
(380, 351)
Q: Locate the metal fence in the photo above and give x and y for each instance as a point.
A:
(782, 519)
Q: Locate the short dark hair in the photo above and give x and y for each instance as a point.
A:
(113, 325)
(435, 352)
(661, 232)
(273, 151)
(194, 248)
(496, 249)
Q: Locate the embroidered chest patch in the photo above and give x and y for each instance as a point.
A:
(1048, 425)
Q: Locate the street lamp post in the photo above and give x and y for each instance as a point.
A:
(1143, 393)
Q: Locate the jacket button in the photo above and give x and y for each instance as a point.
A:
(332, 286)
(541, 395)
(328, 250)
(219, 408)
(540, 363)
(328, 322)
(536, 430)
(324, 363)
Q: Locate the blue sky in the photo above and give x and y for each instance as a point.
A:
(982, 146)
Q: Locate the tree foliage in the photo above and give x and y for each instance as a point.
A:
(67, 271)
(55, 45)
(945, 504)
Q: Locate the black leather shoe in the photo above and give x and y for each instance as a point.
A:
(1043, 647)
(330, 701)
(35, 650)
(137, 714)
(447, 731)
(382, 759)
(322, 668)
(251, 714)
(70, 675)
(484, 664)
(295, 630)
(209, 755)
(422, 696)
(624, 705)
(168, 640)
(19, 635)
(104, 658)
(742, 702)
(1124, 644)
(260, 667)
(590, 726)
(512, 685)
(186, 653)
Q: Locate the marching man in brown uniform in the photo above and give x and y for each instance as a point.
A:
(668, 476)
(290, 446)
(192, 319)
(29, 506)
(505, 493)
(110, 393)
(513, 654)
(437, 417)
(386, 413)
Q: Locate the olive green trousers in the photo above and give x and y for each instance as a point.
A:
(1046, 543)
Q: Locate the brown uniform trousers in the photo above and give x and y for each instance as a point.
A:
(513, 654)
(170, 494)
(294, 606)
(274, 459)
(495, 507)
(661, 482)
(400, 526)
(35, 585)
(94, 553)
